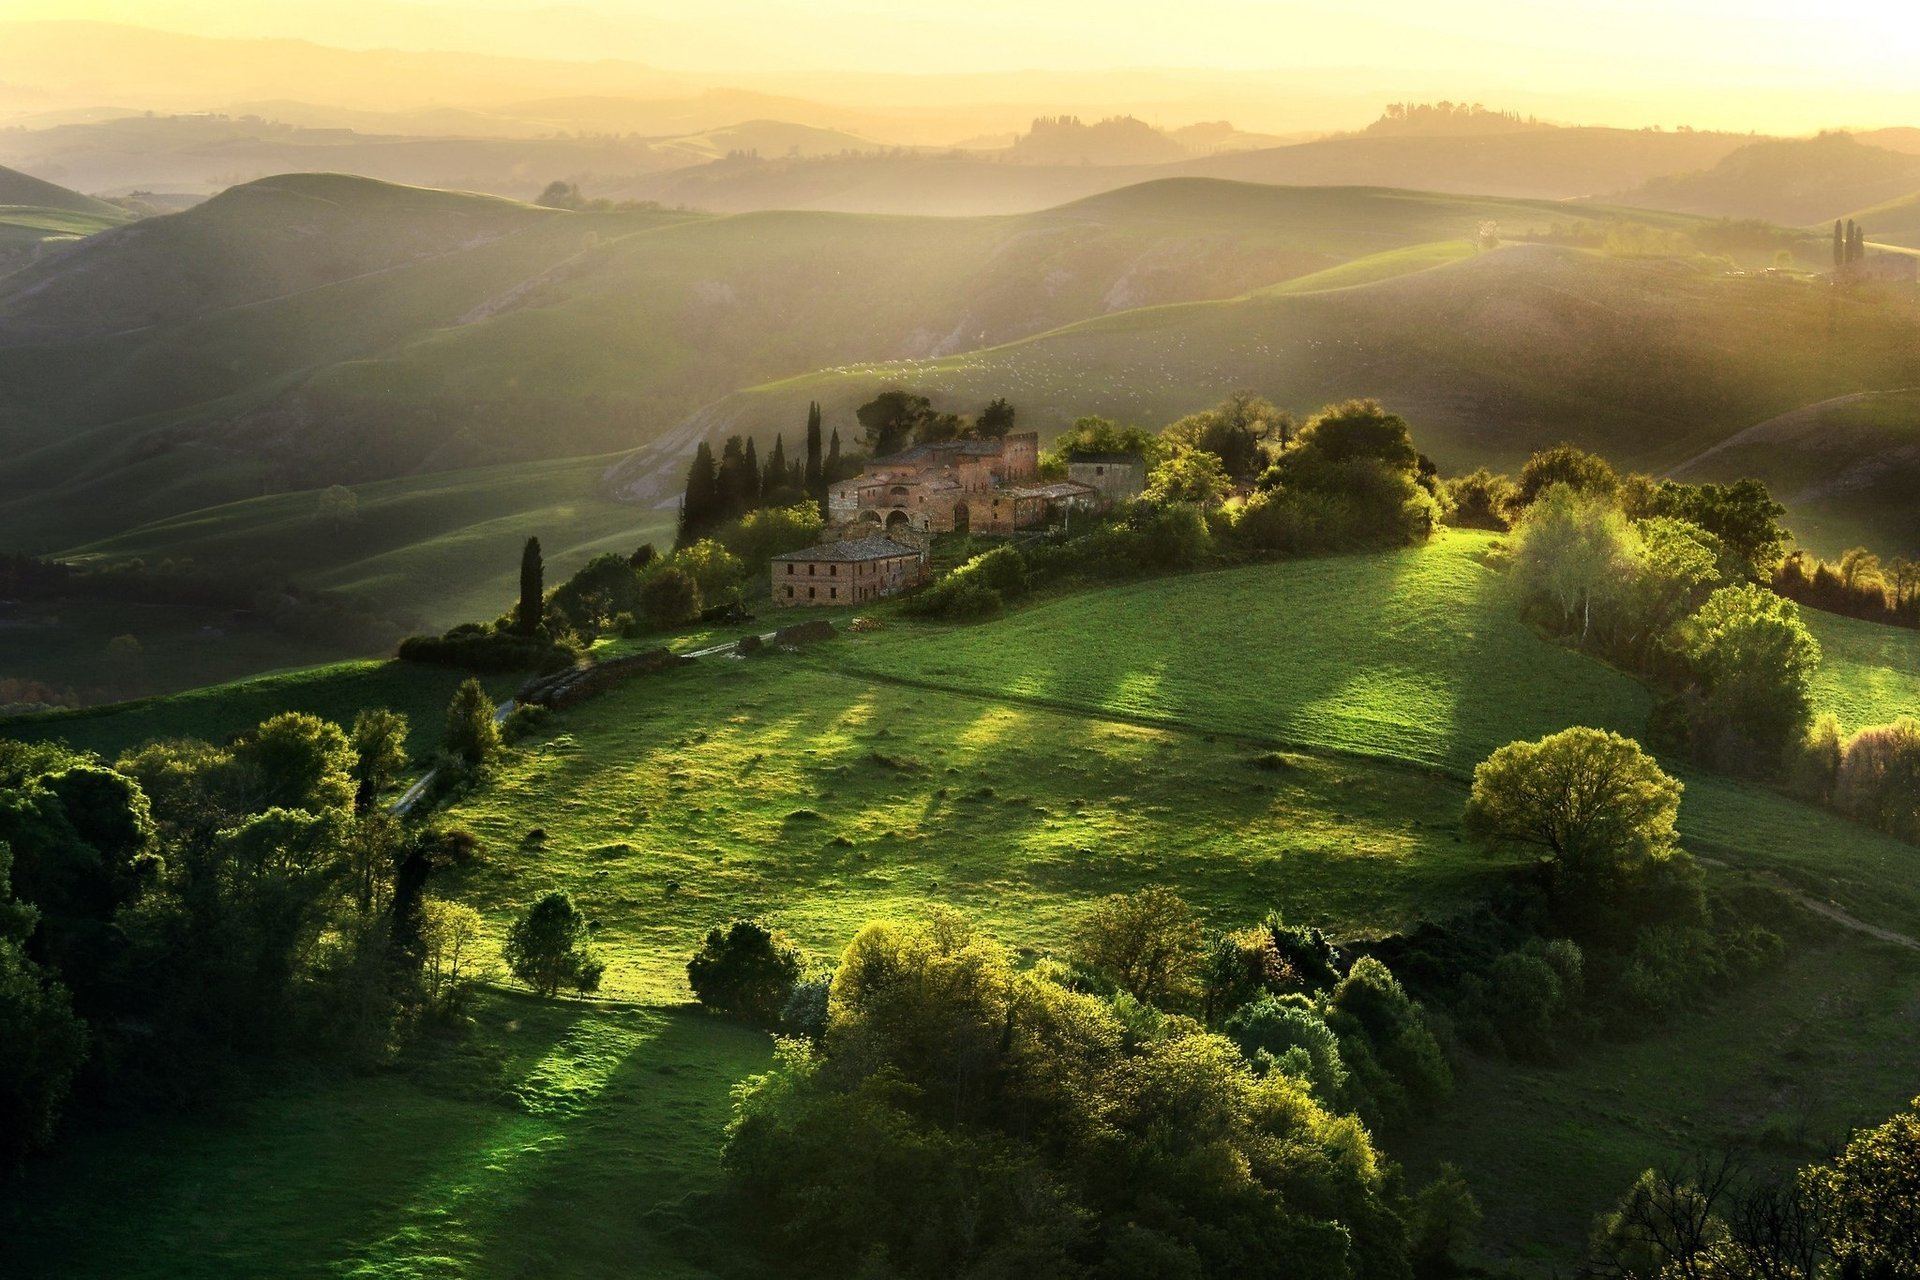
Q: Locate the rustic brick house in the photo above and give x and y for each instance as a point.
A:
(1118, 477)
(974, 486)
(847, 572)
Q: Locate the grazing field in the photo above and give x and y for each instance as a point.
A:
(577, 1131)
(1416, 656)
(1869, 674)
(741, 787)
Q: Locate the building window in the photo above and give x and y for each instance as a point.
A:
(1099, 471)
(833, 593)
(789, 593)
(789, 569)
(833, 570)
(810, 592)
(811, 569)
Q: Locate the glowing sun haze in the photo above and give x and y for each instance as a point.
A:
(1759, 64)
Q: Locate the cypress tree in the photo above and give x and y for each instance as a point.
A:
(735, 481)
(831, 472)
(750, 488)
(532, 588)
(699, 507)
(1839, 245)
(812, 479)
(776, 475)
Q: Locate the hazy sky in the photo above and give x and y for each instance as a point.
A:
(1834, 64)
(1477, 37)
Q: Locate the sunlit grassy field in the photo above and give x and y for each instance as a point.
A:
(1869, 674)
(570, 1139)
(1295, 736)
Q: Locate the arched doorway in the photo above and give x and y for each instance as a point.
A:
(962, 519)
(868, 520)
(899, 520)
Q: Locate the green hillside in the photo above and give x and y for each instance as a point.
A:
(1649, 361)
(306, 330)
(1300, 742)
(1548, 164)
(1847, 468)
(1896, 222)
(20, 190)
(1795, 181)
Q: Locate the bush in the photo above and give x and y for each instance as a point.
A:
(669, 598)
(525, 721)
(1755, 659)
(547, 947)
(1396, 1062)
(1284, 1033)
(473, 736)
(747, 969)
(1480, 500)
(1878, 781)
(486, 652)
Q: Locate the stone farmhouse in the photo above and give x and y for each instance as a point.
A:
(846, 572)
(970, 486)
(1119, 477)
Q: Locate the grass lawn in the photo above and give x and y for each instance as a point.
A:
(1432, 668)
(1869, 674)
(1781, 1066)
(825, 800)
(557, 1138)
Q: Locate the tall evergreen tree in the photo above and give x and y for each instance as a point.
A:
(750, 487)
(532, 588)
(699, 509)
(1840, 245)
(736, 482)
(831, 471)
(812, 479)
(775, 478)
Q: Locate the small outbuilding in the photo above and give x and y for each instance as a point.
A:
(847, 572)
(1117, 477)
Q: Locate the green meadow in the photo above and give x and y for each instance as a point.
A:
(1294, 736)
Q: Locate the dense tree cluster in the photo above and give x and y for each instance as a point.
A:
(193, 905)
(956, 1116)
(1858, 584)
(1856, 1216)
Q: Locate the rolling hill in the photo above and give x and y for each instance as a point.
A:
(311, 330)
(1896, 222)
(1847, 468)
(34, 214)
(1651, 362)
(990, 769)
(1795, 181)
(1550, 164)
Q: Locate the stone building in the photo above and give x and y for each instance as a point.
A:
(1118, 477)
(971, 486)
(848, 572)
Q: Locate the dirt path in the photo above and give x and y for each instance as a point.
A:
(1824, 909)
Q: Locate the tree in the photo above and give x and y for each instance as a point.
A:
(1870, 1195)
(1564, 464)
(1574, 550)
(379, 741)
(813, 479)
(1603, 810)
(560, 194)
(1148, 942)
(1665, 1225)
(42, 1043)
(527, 617)
(996, 420)
(768, 532)
(700, 508)
(1757, 660)
(834, 466)
(1189, 475)
(739, 480)
(473, 735)
(1235, 431)
(295, 761)
(669, 598)
(747, 968)
(1480, 500)
(775, 480)
(1445, 1225)
(1103, 435)
(1839, 245)
(715, 570)
(450, 934)
(1742, 515)
(547, 948)
(891, 418)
